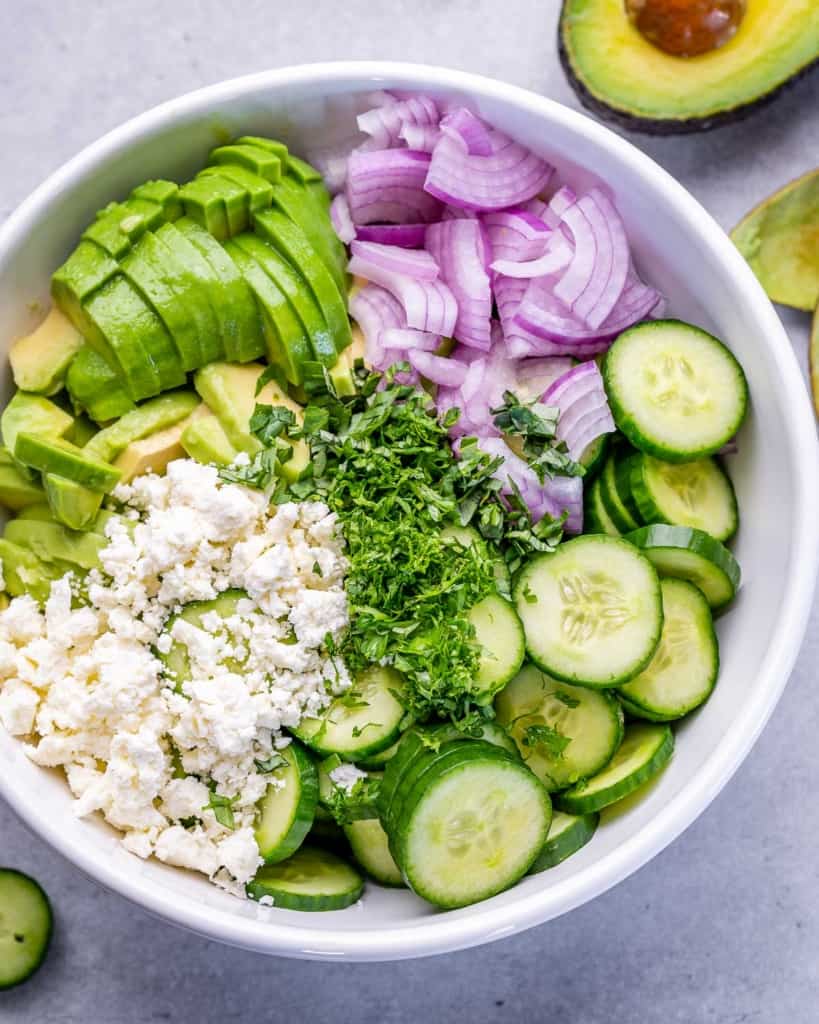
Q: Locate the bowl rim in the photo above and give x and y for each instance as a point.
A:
(444, 933)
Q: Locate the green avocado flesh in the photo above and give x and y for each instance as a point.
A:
(780, 240)
(97, 387)
(619, 75)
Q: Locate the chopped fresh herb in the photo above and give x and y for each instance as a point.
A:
(354, 804)
(222, 807)
(529, 596)
(567, 699)
(271, 764)
(317, 569)
(359, 729)
(552, 741)
(260, 472)
(537, 425)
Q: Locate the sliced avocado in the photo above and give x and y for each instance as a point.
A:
(150, 269)
(165, 193)
(291, 241)
(286, 342)
(205, 440)
(120, 225)
(148, 418)
(259, 191)
(240, 323)
(217, 204)
(25, 573)
(35, 415)
(151, 454)
(229, 389)
(299, 204)
(42, 513)
(39, 511)
(203, 282)
(17, 491)
(39, 360)
(51, 542)
(289, 281)
(262, 162)
(85, 271)
(54, 455)
(72, 504)
(94, 385)
(619, 75)
(81, 431)
(780, 240)
(301, 170)
(278, 149)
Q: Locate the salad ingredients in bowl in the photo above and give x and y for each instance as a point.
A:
(368, 534)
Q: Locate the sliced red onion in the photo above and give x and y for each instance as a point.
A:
(423, 137)
(438, 369)
(417, 263)
(428, 305)
(456, 213)
(408, 236)
(581, 397)
(509, 176)
(403, 339)
(342, 221)
(533, 376)
(463, 126)
(388, 185)
(375, 311)
(565, 494)
(558, 255)
(515, 235)
(538, 208)
(460, 250)
(383, 123)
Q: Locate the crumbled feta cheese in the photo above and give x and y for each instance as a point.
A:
(345, 776)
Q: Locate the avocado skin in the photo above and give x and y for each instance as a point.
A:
(667, 126)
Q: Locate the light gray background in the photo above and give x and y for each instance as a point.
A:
(722, 927)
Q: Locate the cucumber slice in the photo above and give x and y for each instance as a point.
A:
(53, 455)
(472, 828)
(379, 759)
(490, 732)
(618, 512)
(499, 633)
(675, 391)
(593, 456)
(624, 461)
(645, 750)
(591, 611)
(692, 555)
(345, 805)
(563, 733)
(363, 721)
(683, 671)
(697, 494)
(596, 518)
(288, 807)
(371, 849)
(176, 663)
(567, 834)
(26, 924)
(312, 879)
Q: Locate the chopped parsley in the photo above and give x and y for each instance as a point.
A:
(551, 741)
(536, 424)
(222, 807)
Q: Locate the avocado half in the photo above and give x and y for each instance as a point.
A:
(621, 77)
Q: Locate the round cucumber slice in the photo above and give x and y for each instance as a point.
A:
(472, 827)
(567, 834)
(371, 849)
(591, 611)
(645, 750)
(593, 456)
(618, 511)
(288, 807)
(697, 494)
(596, 516)
(379, 759)
(176, 662)
(683, 671)
(675, 390)
(26, 924)
(563, 733)
(692, 555)
(499, 633)
(312, 879)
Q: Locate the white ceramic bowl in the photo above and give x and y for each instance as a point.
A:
(681, 250)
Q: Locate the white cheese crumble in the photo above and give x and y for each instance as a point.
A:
(84, 683)
(345, 776)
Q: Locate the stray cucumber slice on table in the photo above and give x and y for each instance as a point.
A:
(362, 721)
(591, 611)
(563, 733)
(312, 879)
(499, 634)
(595, 515)
(472, 825)
(646, 749)
(26, 924)
(567, 834)
(675, 390)
(692, 555)
(371, 849)
(683, 671)
(697, 494)
(288, 807)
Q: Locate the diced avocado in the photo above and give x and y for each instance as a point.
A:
(39, 360)
(53, 455)
(152, 454)
(42, 513)
(25, 573)
(217, 204)
(148, 418)
(618, 74)
(342, 374)
(16, 490)
(149, 268)
(278, 149)
(300, 204)
(166, 193)
(267, 165)
(292, 285)
(51, 542)
(204, 284)
(85, 271)
(259, 191)
(301, 170)
(121, 225)
(286, 341)
(779, 240)
(39, 511)
(81, 431)
(96, 386)
(72, 504)
(205, 440)
(230, 392)
(35, 415)
(239, 322)
(292, 243)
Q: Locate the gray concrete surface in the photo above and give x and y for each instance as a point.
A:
(723, 928)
